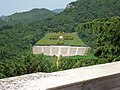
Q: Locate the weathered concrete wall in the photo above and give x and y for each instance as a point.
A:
(103, 83)
(98, 77)
(60, 50)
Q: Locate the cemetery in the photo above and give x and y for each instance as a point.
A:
(65, 44)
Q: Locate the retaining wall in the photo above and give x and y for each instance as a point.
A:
(60, 50)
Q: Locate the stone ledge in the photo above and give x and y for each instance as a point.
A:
(95, 77)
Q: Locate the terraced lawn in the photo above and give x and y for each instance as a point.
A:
(76, 41)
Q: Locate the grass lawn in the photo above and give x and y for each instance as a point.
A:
(49, 58)
(82, 57)
(77, 57)
(75, 42)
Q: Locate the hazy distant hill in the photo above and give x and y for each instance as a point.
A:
(29, 16)
(2, 17)
(58, 10)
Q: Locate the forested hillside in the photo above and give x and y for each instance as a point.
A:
(27, 17)
(16, 40)
(58, 10)
(83, 11)
(103, 35)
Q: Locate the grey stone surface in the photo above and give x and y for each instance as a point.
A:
(55, 50)
(37, 50)
(25, 82)
(72, 51)
(46, 50)
(118, 88)
(64, 51)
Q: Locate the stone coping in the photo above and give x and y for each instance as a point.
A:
(60, 46)
(46, 81)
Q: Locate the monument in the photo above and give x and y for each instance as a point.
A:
(65, 44)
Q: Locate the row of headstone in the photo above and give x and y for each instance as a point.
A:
(60, 50)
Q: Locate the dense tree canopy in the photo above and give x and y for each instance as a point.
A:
(103, 35)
